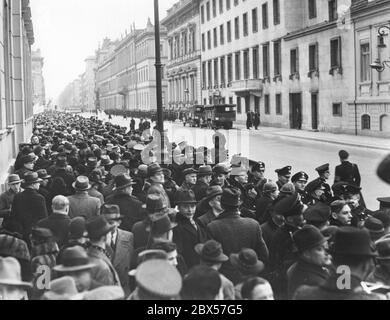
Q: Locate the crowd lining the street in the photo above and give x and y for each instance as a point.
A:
(84, 218)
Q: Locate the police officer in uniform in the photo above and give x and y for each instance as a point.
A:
(300, 180)
(324, 174)
(256, 177)
(315, 191)
(284, 175)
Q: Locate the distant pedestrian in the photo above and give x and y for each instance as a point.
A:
(249, 121)
(256, 120)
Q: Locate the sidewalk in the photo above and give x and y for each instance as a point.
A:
(326, 137)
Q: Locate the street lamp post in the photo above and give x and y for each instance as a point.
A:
(379, 65)
(160, 119)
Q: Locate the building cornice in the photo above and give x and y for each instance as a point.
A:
(183, 7)
(369, 10)
(310, 30)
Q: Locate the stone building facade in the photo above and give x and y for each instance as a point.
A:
(183, 69)
(370, 109)
(16, 90)
(126, 77)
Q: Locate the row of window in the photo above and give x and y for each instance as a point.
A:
(206, 15)
(205, 10)
(216, 71)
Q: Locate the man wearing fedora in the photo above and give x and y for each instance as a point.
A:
(235, 232)
(188, 233)
(155, 207)
(75, 263)
(211, 255)
(7, 198)
(44, 187)
(95, 178)
(354, 253)
(282, 254)
(247, 265)
(28, 165)
(81, 203)
(264, 203)
(205, 175)
(155, 182)
(29, 206)
(42, 162)
(121, 248)
(314, 261)
(130, 207)
(100, 236)
(63, 170)
(11, 285)
(212, 201)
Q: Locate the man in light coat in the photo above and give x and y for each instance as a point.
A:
(82, 204)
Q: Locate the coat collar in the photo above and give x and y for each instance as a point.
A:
(231, 214)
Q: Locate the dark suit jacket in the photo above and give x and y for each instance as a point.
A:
(28, 208)
(348, 172)
(141, 236)
(68, 178)
(269, 230)
(329, 291)
(303, 273)
(59, 226)
(130, 207)
(200, 190)
(186, 238)
(263, 206)
(206, 219)
(236, 233)
(42, 163)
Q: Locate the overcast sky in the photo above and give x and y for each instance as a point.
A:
(69, 31)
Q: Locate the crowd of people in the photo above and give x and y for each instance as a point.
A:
(84, 218)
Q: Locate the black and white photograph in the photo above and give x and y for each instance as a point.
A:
(211, 151)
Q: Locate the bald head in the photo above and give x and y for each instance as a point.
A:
(60, 205)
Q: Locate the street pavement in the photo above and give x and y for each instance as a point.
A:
(278, 148)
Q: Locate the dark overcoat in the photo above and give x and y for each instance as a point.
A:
(29, 207)
(186, 238)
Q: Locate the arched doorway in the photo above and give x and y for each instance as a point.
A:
(384, 123)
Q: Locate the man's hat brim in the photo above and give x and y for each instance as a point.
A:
(221, 258)
(62, 268)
